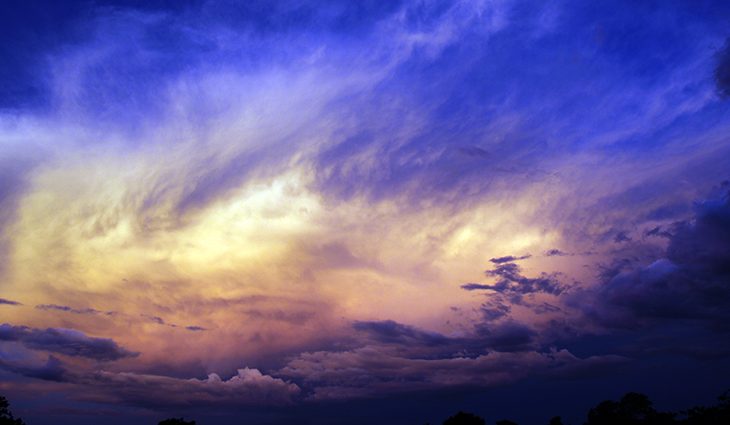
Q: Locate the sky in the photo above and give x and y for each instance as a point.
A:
(270, 212)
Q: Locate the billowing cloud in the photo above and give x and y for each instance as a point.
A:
(690, 284)
(247, 387)
(371, 371)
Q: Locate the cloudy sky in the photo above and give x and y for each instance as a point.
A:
(376, 212)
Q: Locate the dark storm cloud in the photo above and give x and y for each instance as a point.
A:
(513, 285)
(51, 370)
(703, 245)
(65, 341)
(722, 70)
(511, 281)
(691, 284)
(489, 335)
(508, 337)
(615, 267)
(508, 259)
(9, 302)
(494, 309)
(390, 332)
(673, 300)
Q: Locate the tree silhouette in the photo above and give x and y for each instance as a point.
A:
(632, 409)
(6, 416)
(463, 418)
(701, 415)
(557, 420)
(176, 421)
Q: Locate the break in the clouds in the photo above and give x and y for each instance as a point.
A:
(306, 201)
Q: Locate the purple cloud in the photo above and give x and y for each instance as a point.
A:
(69, 342)
(195, 328)
(375, 371)
(67, 309)
(509, 259)
(246, 387)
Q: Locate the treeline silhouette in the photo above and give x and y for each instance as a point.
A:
(631, 409)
